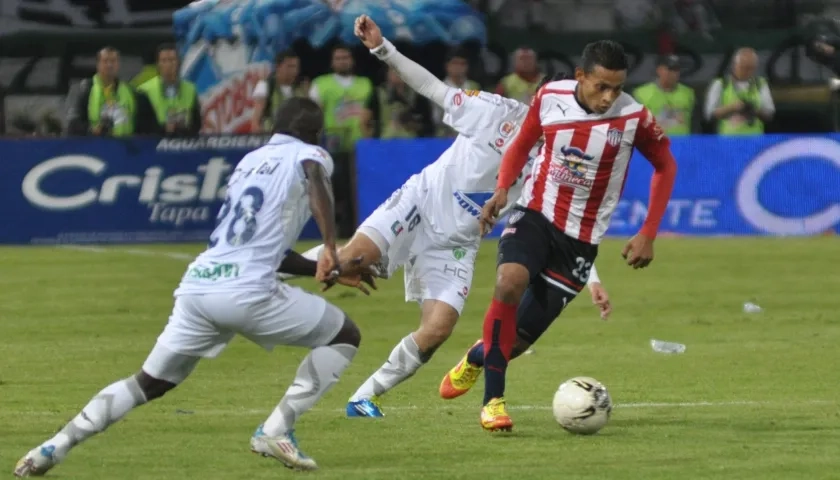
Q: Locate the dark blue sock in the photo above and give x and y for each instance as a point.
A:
(476, 355)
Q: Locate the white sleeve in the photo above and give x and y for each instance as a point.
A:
(593, 276)
(414, 75)
(767, 106)
(311, 152)
(314, 94)
(471, 111)
(261, 90)
(712, 99)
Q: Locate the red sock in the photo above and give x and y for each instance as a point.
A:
(499, 338)
(505, 314)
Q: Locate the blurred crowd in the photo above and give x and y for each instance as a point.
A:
(159, 102)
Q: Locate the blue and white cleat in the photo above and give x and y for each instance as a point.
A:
(37, 462)
(368, 407)
(283, 448)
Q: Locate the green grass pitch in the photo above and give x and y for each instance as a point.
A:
(755, 396)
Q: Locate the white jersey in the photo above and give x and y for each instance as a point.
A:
(463, 178)
(265, 210)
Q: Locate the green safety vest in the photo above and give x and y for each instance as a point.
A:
(167, 107)
(736, 124)
(343, 109)
(275, 98)
(390, 113)
(519, 89)
(444, 130)
(673, 110)
(121, 108)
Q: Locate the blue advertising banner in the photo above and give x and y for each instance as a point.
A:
(768, 185)
(117, 191)
(227, 46)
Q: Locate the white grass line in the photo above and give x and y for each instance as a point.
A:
(131, 251)
(465, 407)
(83, 248)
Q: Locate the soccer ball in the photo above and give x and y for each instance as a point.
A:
(582, 405)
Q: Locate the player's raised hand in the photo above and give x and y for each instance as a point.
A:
(601, 299)
(490, 211)
(638, 251)
(368, 32)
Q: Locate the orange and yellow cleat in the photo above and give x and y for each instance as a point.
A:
(494, 416)
(460, 379)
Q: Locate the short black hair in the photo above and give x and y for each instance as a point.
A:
(604, 53)
(282, 56)
(164, 47)
(301, 118)
(552, 78)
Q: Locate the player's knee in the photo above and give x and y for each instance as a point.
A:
(348, 335)
(432, 335)
(511, 281)
(152, 387)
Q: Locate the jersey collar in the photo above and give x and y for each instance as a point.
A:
(279, 138)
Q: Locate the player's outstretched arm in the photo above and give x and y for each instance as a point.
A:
(415, 76)
(654, 145)
(600, 298)
(322, 205)
(297, 265)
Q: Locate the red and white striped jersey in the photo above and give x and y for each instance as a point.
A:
(578, 175)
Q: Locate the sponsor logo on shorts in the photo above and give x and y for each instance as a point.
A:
(515, 216)
(459, 252)
(214, 271)
(456, 271)
(464, 292)
(508, 231)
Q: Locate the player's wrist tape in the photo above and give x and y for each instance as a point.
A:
(384, 51)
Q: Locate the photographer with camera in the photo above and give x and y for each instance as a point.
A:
(105, 106)
(740, 103)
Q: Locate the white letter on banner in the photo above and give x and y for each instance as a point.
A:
(31, 185)
(790, 151)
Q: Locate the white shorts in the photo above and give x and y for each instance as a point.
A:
(201, 325)
(432, 271)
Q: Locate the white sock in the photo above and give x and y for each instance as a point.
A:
(311, 254)
(106, 408)
(317, 373)
(404, 360)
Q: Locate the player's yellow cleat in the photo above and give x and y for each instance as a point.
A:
(494, 416)
(460, 379)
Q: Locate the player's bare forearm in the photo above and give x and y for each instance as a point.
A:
(321, 201)
(297, 264)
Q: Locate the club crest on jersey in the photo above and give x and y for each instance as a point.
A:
(458, 99)
(506, 129)
(614, 136)
(572, 169)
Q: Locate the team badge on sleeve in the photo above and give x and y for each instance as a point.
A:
(458, 99)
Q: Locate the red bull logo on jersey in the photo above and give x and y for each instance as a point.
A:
(571, 168)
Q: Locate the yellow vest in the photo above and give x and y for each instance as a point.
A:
(168, 107)
(736, 124)
(119, 106)
(519, 89)
(672, 109)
